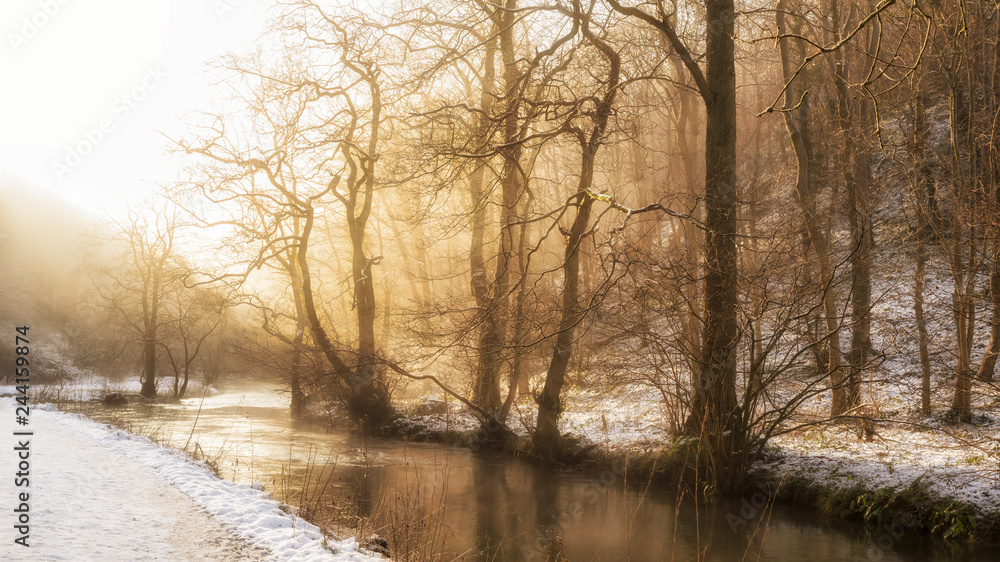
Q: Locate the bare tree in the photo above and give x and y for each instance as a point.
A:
(794, 98)
(590, 137)
(320, 126)
(195, 315)
(149, 271)
(714, 407)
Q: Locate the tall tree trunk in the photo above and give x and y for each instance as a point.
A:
(478, 194)
(859, 203)
(715, 416)
(922, 340)
(479, 199)
(693, 246)
(368, 401)
(297, 402)
(492, 344)
(807, 203)
(921, 183)
(518, 380)
(151, 311)
(548, 442)
(714, 408)
(991, 179)
(857, 161)
(964, 276)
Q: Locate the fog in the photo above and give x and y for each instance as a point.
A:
(713, 242)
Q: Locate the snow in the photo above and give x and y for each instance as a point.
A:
(626, 419)
(956, 461)
(89, 386)
(100, 493)
(946, 464)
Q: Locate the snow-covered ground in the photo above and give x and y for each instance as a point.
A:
(956, 465)
(956, 461)
(102, 494)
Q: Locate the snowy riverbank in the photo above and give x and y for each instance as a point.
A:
(918, 462)
(103, 494)
(951, 462)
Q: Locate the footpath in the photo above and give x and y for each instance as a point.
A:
(76, 490)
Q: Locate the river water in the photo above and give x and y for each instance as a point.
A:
(438, 502)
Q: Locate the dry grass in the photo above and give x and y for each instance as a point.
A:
(409, 513)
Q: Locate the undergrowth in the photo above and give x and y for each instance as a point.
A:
(913, 507)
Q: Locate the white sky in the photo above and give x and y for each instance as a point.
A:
(134, 66)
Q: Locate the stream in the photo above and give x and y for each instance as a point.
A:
(430, 499)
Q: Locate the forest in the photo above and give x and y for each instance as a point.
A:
(747, 223)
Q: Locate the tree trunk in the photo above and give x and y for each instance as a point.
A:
(518, 380)
(368, 395)
(547, 440)
(478, 195)
(922, 340)
(964, 277)
(857, 162)
(297, 401)
(693, 247)
(921, 186)
(714, 407)
(492, 343)
(807, 203)
(964, 321)
(480, 204)
(295, 383)
(184, 385)
(148, 389)
(367, 400)
(991, 179)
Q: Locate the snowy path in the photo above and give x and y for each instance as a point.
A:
(96, 494)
